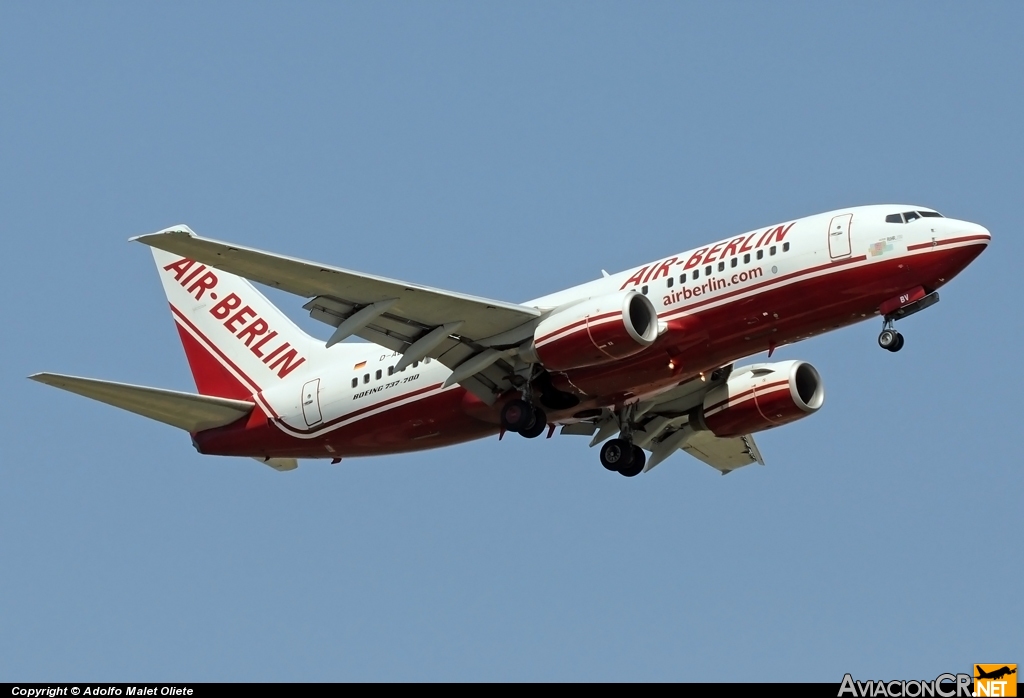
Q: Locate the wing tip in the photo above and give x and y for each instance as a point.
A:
(180, 229)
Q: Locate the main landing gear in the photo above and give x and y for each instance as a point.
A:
(618, 455)
(622, 457)
(890, 339)
(524, 419)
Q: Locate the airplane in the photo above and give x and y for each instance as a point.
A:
(995, 674)
(642, 361)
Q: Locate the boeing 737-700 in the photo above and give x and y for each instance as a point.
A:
(641, 361)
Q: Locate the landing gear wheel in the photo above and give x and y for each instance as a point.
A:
(540, 423)
(888, 339)
(899, 343)
(636, 465)
(517, 416)
(616, 455)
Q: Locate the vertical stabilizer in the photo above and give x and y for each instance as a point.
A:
(237, 342)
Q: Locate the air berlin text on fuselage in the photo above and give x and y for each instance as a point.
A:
(705, 255)
(236, 317)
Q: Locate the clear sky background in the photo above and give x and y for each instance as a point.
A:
(505, 150)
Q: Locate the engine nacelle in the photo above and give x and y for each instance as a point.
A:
(760, 397)
(597, 331)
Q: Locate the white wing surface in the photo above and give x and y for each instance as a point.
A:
(663, 427)
(417, 321)
(723, 454)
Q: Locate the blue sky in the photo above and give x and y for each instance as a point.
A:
(505, 150)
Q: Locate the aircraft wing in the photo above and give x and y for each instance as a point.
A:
(668, 427)
(723, 454)
(665, 427)
(415, 320)
(183, 410)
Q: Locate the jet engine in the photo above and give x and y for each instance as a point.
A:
(597, 331)
(759, 397)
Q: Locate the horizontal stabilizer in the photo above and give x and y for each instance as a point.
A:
(186, 411)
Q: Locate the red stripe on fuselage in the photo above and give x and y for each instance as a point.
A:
(753, 287)
(362, 410)
(950, 241)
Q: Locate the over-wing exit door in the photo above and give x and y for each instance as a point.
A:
(839, 236)
(311, 402)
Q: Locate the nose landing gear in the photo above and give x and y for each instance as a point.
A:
(898, 308)
(890, 339)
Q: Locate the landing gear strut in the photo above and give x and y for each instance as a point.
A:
(620, 456)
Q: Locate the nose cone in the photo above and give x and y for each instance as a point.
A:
(957, 244)
(979, 230)
(958, 233)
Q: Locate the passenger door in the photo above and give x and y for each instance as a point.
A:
(311, 402)
(839, 236)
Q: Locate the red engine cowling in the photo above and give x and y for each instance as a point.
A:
(596, 331)
(760, 397)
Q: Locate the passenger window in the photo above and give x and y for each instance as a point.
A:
(696, 273)
(760, 254)
(771, 250)
(746, 258)
(721, 266)
(894, 218)
(734, 262)
(355, 382)
(707, 270)
(785, 247)
(426, 360)
(415, 364)
(379, 374)
(669, 281)
(644, 290)
(911, 216)
(682, 278)
(391, 370)
(366, 378)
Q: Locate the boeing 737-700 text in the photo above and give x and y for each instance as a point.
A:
(641, 361)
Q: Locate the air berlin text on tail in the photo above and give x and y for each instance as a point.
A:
(257, 334)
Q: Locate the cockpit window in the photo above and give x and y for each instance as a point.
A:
(908, 216)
